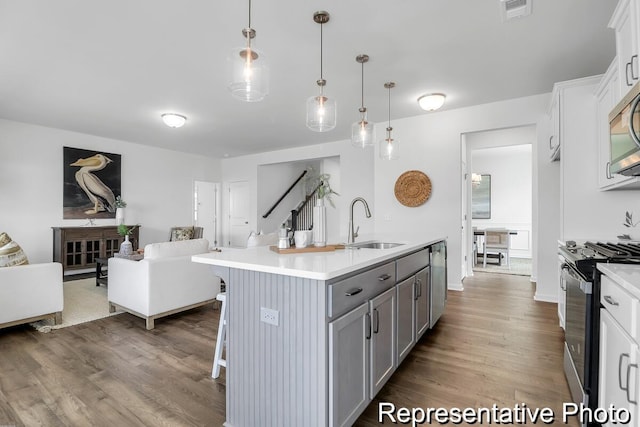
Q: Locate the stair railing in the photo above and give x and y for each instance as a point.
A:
(302, 216)
(275, 205)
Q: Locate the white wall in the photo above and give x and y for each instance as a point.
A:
(432, 143)
(351, 171)
(510, 168)
(157, 184)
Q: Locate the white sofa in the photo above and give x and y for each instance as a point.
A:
(164, 282)
(31, 292)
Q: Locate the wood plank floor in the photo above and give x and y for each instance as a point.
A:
(494, 344)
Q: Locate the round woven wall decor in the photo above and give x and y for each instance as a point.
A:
(413, 188)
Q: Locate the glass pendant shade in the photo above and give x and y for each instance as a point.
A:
(389, 149)
(362, 133)
(248, 74)
(321, 113)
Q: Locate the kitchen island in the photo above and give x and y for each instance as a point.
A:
(312, 337)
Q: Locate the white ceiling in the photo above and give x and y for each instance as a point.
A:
(110, 68)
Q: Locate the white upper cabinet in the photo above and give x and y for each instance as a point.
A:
(554, 116)
(625, 21)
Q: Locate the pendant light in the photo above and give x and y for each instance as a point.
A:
(321, 110)
(362, 131)
(389, 147)
(249, 74)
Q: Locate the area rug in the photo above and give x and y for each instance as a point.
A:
(83, 302)
(519, 267)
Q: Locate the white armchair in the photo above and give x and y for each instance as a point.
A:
(31, 292)
(164, 282)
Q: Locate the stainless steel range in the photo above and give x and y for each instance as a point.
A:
(581, 280)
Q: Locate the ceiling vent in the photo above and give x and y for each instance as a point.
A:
(510, 9)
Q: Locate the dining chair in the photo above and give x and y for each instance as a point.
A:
(496, 240)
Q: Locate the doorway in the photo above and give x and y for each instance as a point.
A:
(206, 210)
(503, 157)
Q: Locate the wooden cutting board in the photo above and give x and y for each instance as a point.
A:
(294, 250)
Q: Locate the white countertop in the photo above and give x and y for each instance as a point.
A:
(314, 265)
(627, 275)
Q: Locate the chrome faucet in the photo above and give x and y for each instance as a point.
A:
(351, 238)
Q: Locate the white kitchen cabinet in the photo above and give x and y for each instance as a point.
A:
(382, 310)
(624, 21)
(618, 366)
(349, 356)
(554, 116)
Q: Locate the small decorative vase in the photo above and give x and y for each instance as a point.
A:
(119, 216)
(319, 224)
(126, 248)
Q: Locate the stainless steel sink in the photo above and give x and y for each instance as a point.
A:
(374, 245)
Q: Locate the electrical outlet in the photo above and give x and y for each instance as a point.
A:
(269, 316)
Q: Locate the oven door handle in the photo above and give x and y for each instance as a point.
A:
(584, 286)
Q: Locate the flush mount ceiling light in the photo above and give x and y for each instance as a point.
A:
(362, 131)
(389, 148)
(431, 101)
(248, 71)
(173, 120)
(321, 110)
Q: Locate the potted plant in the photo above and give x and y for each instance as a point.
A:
(126, 248)
(120, 205)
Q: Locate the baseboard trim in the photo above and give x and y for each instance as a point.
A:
(455, 286)
(546, 297)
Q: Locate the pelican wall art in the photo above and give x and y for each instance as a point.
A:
(91, 183)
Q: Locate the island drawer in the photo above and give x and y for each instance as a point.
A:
(353, 291)
(408, 265)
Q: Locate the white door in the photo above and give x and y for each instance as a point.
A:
(206, 212)
(239, 208)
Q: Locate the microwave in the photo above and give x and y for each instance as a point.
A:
(624, 135)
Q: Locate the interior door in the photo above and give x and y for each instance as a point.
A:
(206, 207)
(239, 209)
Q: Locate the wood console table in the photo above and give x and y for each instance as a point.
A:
(78, 247)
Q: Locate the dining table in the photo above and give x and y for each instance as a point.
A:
(479, 232)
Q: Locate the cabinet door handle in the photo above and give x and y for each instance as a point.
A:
(633, 365)
(376, 321)
(626, 74)
(551, 142)
(607, 170)
(352, 292)
(625, 388)
(419, 288)
(384, 277)
(634, 75)
(415, 290)
(610, 300)
(367, 326)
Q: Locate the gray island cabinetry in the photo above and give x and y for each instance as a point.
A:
(313, 337)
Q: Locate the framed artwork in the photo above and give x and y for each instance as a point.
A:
(481, 198)
(91, 183)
